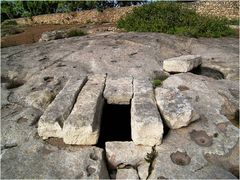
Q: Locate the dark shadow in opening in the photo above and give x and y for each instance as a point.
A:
(209, 72)
(115, 124)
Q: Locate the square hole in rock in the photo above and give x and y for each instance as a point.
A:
(115, 124)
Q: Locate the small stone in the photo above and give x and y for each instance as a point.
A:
(127, 174)
(143, 169)
(82, 126)
(183, 63)
(118, 90)
(175, 108)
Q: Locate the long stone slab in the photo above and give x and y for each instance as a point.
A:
(118, 90)
(183, 63)
(83, 124)
(175, 107)
(146, 123)
(51, 122)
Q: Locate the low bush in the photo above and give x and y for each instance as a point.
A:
(75, 32)
(174, 18)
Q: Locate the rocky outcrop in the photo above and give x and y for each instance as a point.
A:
(182, 63)
(48, 161)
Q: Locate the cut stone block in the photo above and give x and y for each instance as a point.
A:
(175, 108)
(127, 174)
(51, 122)
(118, 91)
(83, 124)
(182, 63)
(125, 153)
(146, 123)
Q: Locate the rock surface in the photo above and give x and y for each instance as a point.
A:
(188, 152)
(46, 161)
(182, 63)
(176, 109)
(118, 90)
(83, 124)
(146, 123)
(32, 70)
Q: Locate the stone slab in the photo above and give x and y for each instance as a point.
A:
(146, 123)
(126, 152)
(175, 108)
(83, 124)
(118, 90)
(51, 122)
(183, 63)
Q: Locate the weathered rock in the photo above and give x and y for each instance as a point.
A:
(143, 169)
(175, 108)
(17, 124)
(44, 161)
(125, 153)
(52, 121)
(183, 63)
(146, 123)
(127, 174)
(213, 138)
(52, 35)
(83, 124)
(40, 99)
(118, 90)
(4, 94)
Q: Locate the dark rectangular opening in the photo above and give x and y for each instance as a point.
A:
(115, 124)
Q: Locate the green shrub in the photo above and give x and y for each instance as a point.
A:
(156, 83)
(174, 18)
(76, 32)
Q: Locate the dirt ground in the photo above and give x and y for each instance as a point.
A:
(31, 34)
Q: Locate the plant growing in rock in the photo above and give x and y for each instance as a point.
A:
(156, 83)
(76, 32)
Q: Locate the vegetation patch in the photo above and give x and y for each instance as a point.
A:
(75, 32)
(174, 18)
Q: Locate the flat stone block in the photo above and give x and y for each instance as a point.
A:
(118, 90)
(182, 63)
(51, 122)
(146, 123)
(125, 153)
(175, 108)
(83, 124)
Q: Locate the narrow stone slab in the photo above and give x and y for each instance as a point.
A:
(51, 122)
(175, 108)
(118, 90)
(146, 123)
(83, 124)
(182, 63)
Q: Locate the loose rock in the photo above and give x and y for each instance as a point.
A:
(175, 108)
(182, 63)
(83, 124)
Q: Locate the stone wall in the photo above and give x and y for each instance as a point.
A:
(109, 15)
(229, 9)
